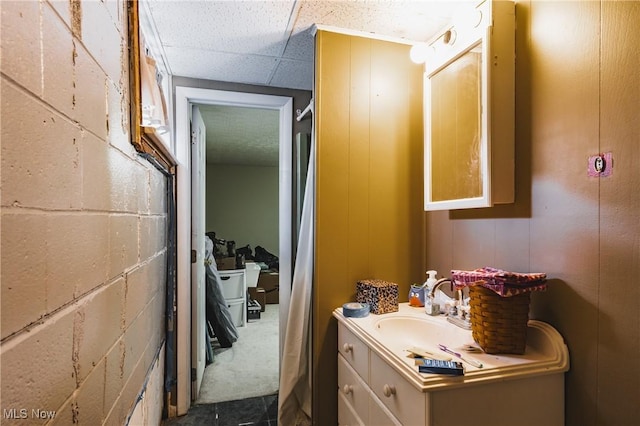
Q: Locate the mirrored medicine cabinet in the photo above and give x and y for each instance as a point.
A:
(469, 110)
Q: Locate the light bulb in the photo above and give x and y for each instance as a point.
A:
(418, 53)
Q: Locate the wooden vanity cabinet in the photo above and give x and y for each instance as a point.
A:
(358, 404)
(371, 392)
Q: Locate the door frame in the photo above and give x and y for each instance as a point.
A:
(185, 97)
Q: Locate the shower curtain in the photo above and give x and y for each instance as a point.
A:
(294, 397)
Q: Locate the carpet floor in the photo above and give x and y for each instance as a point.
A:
(250, 367)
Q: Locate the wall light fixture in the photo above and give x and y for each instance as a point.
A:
(418, 53)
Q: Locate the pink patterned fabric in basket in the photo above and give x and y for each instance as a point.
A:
(502, 282)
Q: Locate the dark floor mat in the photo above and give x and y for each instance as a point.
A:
(257, 411)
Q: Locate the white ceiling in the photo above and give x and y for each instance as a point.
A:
(270, 43)
(241, 136)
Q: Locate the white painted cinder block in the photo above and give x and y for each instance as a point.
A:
(75, 197)
(114, 374)
(158, 185)
(21, 50)
(138, 292)
(158, 273)
(146, 295)
(96, 183)
(77, 256)
(119, 124)
(148, 411)
(57, 61)
(123, 243)
(23, 270)
(100, 35)
(62, 9)
(128, 182)
(141, 195)
(136, 339)
(40, 154)
(89, 408)
(37, 366)
(97, 326)
(90, 108)
(152, 236)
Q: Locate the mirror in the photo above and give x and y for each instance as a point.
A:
(456, 128)
(469, 111)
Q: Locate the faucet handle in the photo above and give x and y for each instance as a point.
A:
(451, 308)
(464, 311)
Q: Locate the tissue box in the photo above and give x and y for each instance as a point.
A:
(382, 296)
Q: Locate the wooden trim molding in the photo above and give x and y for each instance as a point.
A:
(144, 138)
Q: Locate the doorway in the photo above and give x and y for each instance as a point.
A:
(185, 98)
(241, 208)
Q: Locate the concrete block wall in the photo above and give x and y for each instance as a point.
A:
(82, 230)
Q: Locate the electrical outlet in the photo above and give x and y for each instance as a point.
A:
(600, 165)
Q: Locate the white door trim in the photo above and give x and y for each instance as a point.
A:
(184, 98)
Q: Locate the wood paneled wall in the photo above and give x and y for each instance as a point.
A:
(577, 94)
(369, 215)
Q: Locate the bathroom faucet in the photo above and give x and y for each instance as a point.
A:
(438, 284)
(461, 315)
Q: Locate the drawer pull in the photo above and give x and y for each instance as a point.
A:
(347, 389)
(224, 278)
(389, 390)
(347, 347)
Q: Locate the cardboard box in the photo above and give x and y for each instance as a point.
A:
(225, 263)
(270, 282)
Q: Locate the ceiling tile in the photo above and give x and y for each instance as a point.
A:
(270, 43)
(252, 27)
(212, 39)
(293, 74)
(198, 63)
(300, 45)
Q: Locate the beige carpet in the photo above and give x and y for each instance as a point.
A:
(250, 367)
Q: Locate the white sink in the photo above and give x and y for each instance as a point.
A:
(426, 333)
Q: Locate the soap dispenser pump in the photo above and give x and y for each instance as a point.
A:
(430, 306)
(431, 280)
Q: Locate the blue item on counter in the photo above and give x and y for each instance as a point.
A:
(355, 310)
(436, 366)
(417, 295)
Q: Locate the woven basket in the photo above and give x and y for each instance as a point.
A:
(499, 324)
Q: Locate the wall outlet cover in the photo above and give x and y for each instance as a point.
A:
(600, 165)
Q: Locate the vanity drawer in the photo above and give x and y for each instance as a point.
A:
(380, 415)
(354, 351)
(353, 389)
(346, 415)
(233, 284)
(404, 401)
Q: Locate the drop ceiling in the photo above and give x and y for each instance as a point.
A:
(270, 43)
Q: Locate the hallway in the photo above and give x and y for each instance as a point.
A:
(249, 368)
(240, 388)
